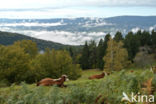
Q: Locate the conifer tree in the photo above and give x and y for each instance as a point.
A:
(118, 36)
(100, 54)
(84, 61)
(153, 39)
(131, 43)
(92, 55)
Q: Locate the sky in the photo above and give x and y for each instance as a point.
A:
(37, 9)
(75, 8)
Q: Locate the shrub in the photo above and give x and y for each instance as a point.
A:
(14, 63)
(54, 64)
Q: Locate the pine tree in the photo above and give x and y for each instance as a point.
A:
(116, 57)
(131, 43)
(105, 45)
(84, 61)
(107, 37)
(144, 38)
(118, 37)
(71, 52)
(153, 39)
(100, 54)
(93, 54)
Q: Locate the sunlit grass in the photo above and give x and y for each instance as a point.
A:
(111, 86)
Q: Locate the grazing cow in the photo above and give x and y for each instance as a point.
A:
(99, 76)
(49, 82)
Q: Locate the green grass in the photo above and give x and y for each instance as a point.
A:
(81, 91)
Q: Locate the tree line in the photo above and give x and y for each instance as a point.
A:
(95, 55)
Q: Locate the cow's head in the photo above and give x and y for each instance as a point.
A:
(65, 77)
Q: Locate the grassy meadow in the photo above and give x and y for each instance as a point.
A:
(81, 91)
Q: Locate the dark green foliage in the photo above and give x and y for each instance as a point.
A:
(71, 52)
(132, 45)
(75, 54)
(143, 37)
(153, 39)
(93, 54)
(100, 54)
(118, 36)
(84, 60)
(106, 39)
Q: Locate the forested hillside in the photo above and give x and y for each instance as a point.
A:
(7, 38)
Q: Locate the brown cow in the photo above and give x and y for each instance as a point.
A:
(99, 76)
(49, 82)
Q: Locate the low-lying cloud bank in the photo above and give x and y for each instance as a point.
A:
(136, 29)
(72, 38)
(64, 37)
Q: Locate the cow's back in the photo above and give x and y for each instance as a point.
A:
(46, 82)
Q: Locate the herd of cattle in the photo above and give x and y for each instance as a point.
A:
(60, 81)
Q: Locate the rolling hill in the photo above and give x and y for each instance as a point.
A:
(7, 38)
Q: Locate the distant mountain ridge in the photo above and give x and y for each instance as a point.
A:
(76, 31)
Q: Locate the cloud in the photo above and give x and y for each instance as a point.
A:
(72, 38)
(73, 12)
(32, 24)
(152, 28)
(135, 30)
(64, 37)
(48, 13)
(67, 3)
(96, 24)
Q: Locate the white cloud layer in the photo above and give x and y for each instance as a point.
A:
(64, 37)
